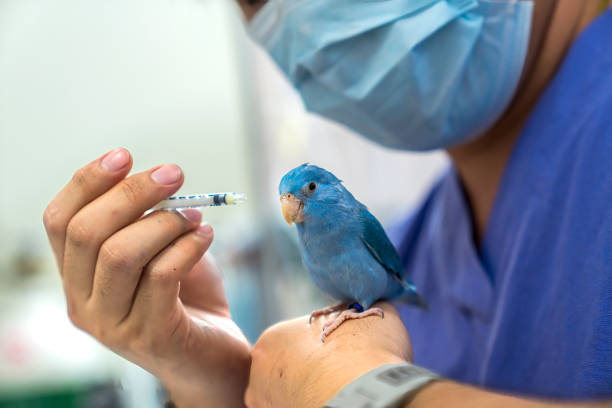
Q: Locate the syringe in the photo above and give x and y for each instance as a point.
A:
(200, 200)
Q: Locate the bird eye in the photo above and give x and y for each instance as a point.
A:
(312, 186)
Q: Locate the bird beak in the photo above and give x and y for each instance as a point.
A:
(293, 209)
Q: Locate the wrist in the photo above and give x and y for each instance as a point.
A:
(220, 388)
(389, 385)
(339, 378)
(218, 380)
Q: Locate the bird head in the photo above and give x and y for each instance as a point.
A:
(305, 186)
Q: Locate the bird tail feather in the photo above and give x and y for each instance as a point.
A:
(411, 295)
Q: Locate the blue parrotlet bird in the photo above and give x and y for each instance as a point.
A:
(344, 247)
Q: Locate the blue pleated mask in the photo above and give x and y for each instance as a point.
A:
(408, 74)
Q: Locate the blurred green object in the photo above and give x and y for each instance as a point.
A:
(100, 396)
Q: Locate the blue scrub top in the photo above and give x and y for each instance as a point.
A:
(529, 312)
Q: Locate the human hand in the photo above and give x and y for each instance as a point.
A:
(141, 286)
(291, 367)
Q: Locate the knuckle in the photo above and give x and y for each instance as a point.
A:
(80, 234)
(202, 241)
(132, 190)
(115, 258)
(270, 333)
(191, 248)
(159, 272)
(273, 336)
(98, 328)
(81, 178)
(261, 349)
(194, 249)
(101, 333)
(74, 318)
(115, 337)
(52, 220)
(169, 222)
(74, 315)
(161, 276)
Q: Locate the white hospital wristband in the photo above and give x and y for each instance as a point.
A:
(384, 387)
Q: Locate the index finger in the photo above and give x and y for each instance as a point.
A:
(87, 184)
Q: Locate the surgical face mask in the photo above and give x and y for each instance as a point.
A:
(408, 74)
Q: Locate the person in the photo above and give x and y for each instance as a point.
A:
(511, 247)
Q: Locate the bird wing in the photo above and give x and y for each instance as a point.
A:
(375, 239)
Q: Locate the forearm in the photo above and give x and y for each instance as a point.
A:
(444, 394)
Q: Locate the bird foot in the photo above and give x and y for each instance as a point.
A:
(327, 310)
(332, 325)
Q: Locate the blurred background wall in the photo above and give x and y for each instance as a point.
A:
(172, 81)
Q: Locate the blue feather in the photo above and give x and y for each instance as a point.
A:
(344, 247)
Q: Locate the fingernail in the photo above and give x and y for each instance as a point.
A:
(167, 174)
(191, 214)
(204, 230)
(116, 160)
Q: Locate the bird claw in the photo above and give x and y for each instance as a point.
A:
(329, 327)
(324, 311)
